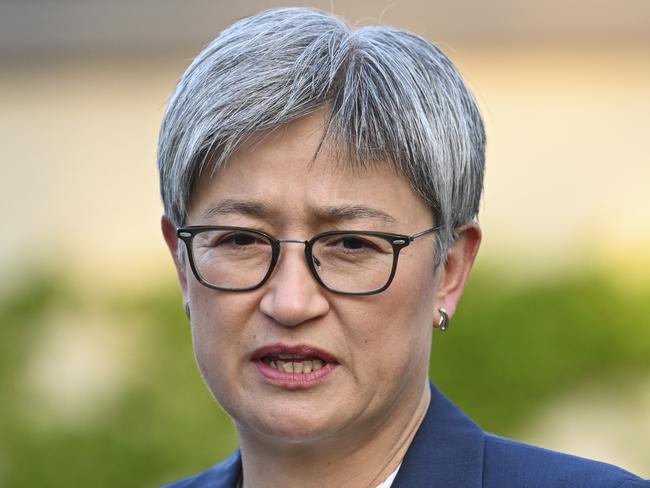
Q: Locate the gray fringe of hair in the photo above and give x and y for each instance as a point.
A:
(394, 99)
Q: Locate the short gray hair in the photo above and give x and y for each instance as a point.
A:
(393, 98)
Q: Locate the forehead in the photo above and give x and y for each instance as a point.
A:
(286, 174)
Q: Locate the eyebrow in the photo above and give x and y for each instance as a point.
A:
(353, 212)
(242, 207)
(335, 213)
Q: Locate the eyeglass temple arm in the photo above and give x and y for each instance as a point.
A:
(425, 232)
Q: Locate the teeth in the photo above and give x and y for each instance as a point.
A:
(291, 356)
(301, 367)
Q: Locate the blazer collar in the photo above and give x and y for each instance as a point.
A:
(447, 450)
(226, 474)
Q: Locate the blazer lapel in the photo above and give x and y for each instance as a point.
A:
(447, 450)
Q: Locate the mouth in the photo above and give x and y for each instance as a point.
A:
(293, 363)
(294, 366)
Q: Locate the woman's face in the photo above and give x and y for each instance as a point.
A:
(374, 350)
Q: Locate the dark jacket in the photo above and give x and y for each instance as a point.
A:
(451, 451)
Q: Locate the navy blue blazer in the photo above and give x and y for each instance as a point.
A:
(451, 451)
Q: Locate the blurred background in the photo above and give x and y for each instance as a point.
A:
(551, 345)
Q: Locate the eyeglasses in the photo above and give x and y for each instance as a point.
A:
(347, 262)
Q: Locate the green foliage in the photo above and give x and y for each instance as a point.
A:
(515, 345)
(510, 348)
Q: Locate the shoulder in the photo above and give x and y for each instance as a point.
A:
(222, 475)
(511, 463)
(455, 452)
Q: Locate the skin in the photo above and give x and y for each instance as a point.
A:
(354, 428)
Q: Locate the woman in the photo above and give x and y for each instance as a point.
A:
(321, 188)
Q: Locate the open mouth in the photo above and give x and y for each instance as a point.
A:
(295, 359)
(293, 363)
(294, 366)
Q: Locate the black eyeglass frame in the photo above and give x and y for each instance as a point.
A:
(397, 241)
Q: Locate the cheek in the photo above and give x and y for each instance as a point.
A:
(412, 295)
(389, 335)
(408, 320)
(218, 328)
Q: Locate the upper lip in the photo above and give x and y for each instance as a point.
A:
(299, 350)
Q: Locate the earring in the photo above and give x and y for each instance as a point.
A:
(187, 310)
(443, 323)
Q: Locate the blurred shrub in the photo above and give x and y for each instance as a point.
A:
(515, 344)
(511, 347)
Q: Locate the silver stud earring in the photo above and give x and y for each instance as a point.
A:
(187, 310)
(443, 323)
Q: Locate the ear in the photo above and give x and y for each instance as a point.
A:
(455, 270)
(172, 240)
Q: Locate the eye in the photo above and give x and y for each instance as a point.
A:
(354, 243)
(234, 240)
(343, 250)
(239, 240)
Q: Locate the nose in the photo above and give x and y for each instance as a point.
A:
(292, 295)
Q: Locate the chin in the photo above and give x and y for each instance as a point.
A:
(289, 424)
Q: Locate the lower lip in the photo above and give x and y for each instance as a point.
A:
(294, 381)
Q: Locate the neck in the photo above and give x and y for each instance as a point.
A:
(345, 460)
